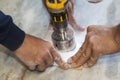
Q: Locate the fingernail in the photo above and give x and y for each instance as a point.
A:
(71, 65)
(70, 60)
(57, 58)
(66, 66)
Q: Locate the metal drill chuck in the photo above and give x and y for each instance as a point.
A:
(63, 39)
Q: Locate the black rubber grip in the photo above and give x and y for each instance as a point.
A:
(59, 17)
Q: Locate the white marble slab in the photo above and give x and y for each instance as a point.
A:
(32, 17)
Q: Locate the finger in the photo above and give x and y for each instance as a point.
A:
(40, 63)
(84, 57)
(75, 57)
(78, 54)
(72, 1)
(70, 6)
(92, 28)
(48, 59)
(41, 66)
(32, 67)
(73, 23)
(50, 25)
(92, 60)
(58, 59)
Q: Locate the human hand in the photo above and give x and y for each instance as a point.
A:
(72, 20)
(38, 54)
(100, 40)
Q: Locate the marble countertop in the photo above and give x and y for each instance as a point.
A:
(32, 17)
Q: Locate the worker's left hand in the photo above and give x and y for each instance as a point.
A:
(100, 40)
(38, 54)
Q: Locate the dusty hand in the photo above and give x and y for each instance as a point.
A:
(38, 54)
(100, 40)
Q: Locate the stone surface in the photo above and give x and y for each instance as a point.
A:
(32, 17)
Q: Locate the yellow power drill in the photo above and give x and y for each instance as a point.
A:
(62, 36)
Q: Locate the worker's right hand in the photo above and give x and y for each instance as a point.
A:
(38, 54)
(100, 40)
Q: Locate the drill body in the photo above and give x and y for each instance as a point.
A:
(63, 36)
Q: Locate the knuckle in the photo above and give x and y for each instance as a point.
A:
(51, 60)
(96, 49)
(50, 63)
(92, 39)
(89, 28)
(90, 64)
(57, 59)
(87, 54)
(38, 59)
(77, 64)
(31, 67)
(48, 44)
(74, 58)
(45, 54)
(42, 69)
(90, 34)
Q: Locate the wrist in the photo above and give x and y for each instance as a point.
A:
(117, 35)
(14, 37)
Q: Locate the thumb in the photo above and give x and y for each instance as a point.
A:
(58, 59)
